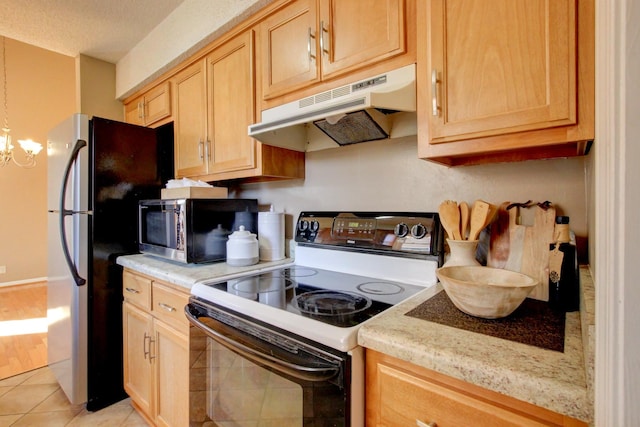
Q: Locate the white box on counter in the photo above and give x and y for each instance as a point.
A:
(194, 193)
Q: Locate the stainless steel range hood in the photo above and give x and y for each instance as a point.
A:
(379, 107)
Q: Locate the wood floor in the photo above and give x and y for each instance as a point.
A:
(21, 349)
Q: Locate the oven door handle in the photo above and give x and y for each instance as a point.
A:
(307, 373)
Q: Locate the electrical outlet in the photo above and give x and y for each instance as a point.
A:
(3, 269)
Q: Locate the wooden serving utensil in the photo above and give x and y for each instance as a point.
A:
(481, 216)
(450, 218)
(464, 219)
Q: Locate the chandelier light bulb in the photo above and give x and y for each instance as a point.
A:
(30, 147)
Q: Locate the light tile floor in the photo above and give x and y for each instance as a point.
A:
(35, 399)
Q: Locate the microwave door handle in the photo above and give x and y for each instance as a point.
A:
(65, 212)
(307, 373)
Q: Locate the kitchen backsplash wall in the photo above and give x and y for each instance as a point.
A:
(388, 175)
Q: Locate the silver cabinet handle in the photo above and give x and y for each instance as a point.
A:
(323, 50)
(140, 110)
(421, 424)
(434, 92)
(144, 345)
(200, 146)
(152, 342)
(166, 306)
(132, 290)
(207, 150)
(309, 37)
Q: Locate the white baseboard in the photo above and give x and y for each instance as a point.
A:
(23, 282)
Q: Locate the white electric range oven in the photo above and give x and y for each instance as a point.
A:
(279, 348)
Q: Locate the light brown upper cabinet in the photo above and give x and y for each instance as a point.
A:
(231, 105)
(504, 80)
(213, 104)
(149, 108)
(309, 41)
(190, 116)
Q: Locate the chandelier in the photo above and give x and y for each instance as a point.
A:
(30, 147)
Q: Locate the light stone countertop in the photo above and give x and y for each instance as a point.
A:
(187, 275)
(559, 381)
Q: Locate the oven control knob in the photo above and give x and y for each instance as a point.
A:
(314, 226)
(418, 231)
(401, 229)
(303, 225)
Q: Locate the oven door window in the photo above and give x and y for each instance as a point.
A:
(240, 391)
(230, 386)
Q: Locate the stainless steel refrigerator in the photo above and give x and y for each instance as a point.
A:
(98, 169)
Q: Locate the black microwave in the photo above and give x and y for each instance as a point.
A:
(193, 230)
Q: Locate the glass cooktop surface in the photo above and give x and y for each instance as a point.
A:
(334, 298)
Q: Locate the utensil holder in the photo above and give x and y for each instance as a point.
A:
(461, 252)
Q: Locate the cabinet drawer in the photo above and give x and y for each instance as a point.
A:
(400, 394)
(168, 305)
(136, 289)
(428, 402)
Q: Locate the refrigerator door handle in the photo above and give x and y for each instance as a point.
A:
(65, 212)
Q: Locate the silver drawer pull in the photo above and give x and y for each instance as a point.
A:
(132, 290)
(144, 345)
(311, 51)
(434, 93)
(166, 307)
(323, 49)
(421, 424)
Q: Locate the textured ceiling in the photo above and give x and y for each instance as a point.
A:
(103, 29)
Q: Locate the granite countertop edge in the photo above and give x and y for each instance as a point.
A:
(187, 275)
(557, 381)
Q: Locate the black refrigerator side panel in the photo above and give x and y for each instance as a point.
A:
(129, 164)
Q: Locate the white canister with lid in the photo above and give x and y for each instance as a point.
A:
(242, 248)
(271, 235)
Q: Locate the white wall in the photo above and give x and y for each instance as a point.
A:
(96, 81)
(616, 230)
(40, 94)
(191, 26)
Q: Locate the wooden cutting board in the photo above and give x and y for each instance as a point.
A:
(529, 247)
(535, 251)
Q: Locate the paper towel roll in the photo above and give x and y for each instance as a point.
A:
(271, 235)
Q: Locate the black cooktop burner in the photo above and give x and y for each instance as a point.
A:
(380, 288)
(298, 272)
(331, 303)
(268, 282)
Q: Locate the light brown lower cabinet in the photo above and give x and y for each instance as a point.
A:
(400, 394)
(156, 349)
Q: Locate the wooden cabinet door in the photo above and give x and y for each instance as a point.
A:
(171, 365)
(157, 104)
(133, 111)
(137, 344)
(231, 107)
(500, 66)
(190, 113)
(149, 108)
(289, 49)
(356, 33)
